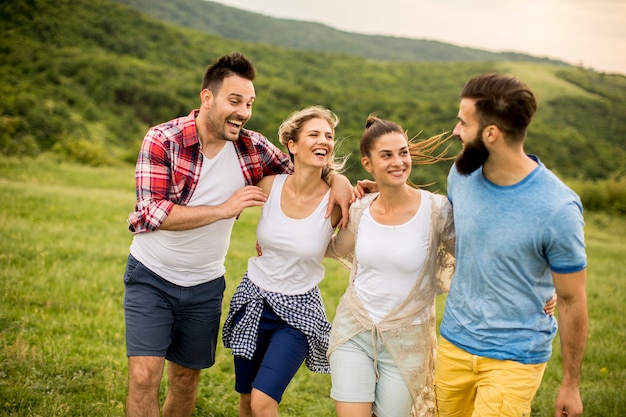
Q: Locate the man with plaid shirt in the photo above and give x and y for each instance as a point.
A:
(194, 176)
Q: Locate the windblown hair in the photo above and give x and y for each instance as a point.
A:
(290, 130)
(232, 64)
(504, 101)
(422, 152)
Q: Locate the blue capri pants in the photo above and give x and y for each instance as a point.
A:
(280, 350)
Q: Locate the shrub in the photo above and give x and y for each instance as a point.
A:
(602, 195)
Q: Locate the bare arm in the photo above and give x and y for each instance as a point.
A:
(340, 195)
(186, 217)
(573, 324)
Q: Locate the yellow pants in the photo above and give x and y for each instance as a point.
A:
(467, 385)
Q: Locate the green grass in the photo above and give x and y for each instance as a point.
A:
(63, 250)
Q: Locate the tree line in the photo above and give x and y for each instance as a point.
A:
(84, 80)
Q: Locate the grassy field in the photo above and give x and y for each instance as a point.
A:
(63, 250)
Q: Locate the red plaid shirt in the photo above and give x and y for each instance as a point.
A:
(169, 164)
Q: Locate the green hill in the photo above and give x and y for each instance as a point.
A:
(232, 23)
(84, 79)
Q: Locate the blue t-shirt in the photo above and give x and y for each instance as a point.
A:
(508, 240)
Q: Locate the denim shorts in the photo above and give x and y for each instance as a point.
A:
(353, 374)
(167, 320)
(280, 350)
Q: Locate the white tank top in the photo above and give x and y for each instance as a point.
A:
(292, 249)
(390, 259)
(191, 257)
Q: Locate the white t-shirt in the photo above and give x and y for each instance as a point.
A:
(390, 259)
(191, 257)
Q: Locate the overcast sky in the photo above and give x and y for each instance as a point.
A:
(591, 33)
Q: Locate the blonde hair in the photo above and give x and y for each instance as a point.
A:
(290, 130)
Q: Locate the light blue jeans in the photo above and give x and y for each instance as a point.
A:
(353, 368)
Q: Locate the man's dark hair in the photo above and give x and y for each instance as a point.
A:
(232, 64)
(504, 101)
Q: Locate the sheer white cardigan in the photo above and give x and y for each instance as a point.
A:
(403, 339)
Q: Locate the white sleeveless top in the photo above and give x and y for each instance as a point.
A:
(292, 249)
(390, 259)
(192, 257)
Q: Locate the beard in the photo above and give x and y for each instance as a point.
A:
(473, 155)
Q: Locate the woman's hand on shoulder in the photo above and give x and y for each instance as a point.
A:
(363, 187)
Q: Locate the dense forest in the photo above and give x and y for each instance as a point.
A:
(84, 79)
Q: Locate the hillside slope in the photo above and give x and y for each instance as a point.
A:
(232, 23)
(84, 79)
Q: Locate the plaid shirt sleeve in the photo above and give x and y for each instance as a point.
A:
(165, 174)
(260, 157)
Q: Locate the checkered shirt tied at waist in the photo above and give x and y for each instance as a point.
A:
(304, 312)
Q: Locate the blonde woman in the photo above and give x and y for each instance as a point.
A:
(277, 319)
